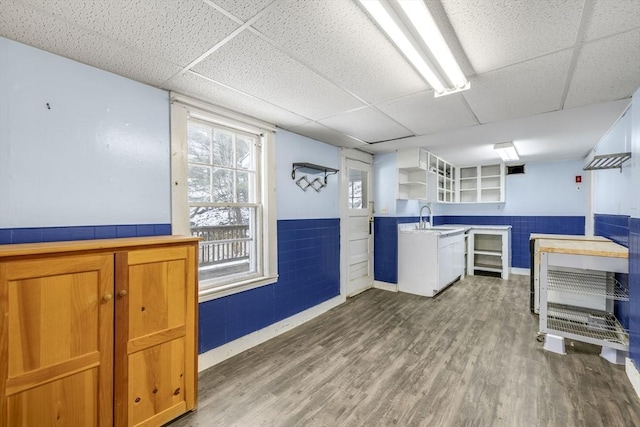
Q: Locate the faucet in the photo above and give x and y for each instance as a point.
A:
(422, 223)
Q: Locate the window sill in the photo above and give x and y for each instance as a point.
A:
(209, 294)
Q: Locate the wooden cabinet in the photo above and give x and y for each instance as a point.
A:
(481, 184)
(98, 333)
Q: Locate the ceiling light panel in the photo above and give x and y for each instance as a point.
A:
(495, 34)
(41, 30)
(330, 37)
(424, 114)
(531, 87)
(507, 151)
(191, 25)
(261, 70)
(606, 69)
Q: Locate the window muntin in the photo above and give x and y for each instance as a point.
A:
(224, 201)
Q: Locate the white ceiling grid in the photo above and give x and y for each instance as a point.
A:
(325, 70)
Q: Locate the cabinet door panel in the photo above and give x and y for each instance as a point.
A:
(156, 381)
(59, 340)
(155, 335)
(69, 401)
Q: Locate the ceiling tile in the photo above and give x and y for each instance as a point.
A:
(339, 41)
(330, 136)
(520, 90)
(244, 9)
(367, 124)
(497, 33)
(611, 17)
(205, 90)
(176, 31)
(250, 63)
(41, 30)
(424, 114)
(606, 69)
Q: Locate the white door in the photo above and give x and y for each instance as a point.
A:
(359, 227)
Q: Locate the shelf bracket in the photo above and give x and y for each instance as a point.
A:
(317, 184)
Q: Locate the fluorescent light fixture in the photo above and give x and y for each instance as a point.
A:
(382, 16)
(507, 151)
(389, 17)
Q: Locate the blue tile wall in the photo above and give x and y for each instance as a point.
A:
(386, 236)
(309, 274)
(385, 247)
(59, 234)
(614, 227)
(634, 290)
(521, 229)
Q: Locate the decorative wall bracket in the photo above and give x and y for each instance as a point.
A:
(317, 183)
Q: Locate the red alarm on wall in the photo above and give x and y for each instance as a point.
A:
(578, 179)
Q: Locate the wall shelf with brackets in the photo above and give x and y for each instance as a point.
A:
(317, 184)
(607, 161)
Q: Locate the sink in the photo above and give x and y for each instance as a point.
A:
(438, 230)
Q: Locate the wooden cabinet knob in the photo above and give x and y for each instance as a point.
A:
(122, 293)
(107, 297)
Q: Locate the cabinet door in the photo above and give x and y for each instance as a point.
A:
(155, 335)
(56, 339)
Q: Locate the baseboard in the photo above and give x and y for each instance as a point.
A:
(633, 375)
(385, 286)
(228, 350)
(520, 271)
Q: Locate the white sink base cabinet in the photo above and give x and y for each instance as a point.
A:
(428, 262)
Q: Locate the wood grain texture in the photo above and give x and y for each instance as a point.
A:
(583, 247)
(59, 348)
(468, 357)
(102, 245)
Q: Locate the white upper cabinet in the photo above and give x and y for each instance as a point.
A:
(427, 177)
(481, 184)
(424, 176)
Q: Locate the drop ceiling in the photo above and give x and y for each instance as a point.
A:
(552, 76)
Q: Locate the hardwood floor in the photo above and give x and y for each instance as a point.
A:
(468, 357)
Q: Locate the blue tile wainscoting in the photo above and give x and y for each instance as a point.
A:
(634, 290)
(309, 274)
(60, 234)
(616, 228)
(386, 236)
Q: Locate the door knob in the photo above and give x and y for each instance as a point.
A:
(107, 297)
(122, 293)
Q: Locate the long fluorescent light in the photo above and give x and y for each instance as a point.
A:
(423, 21)
(507, 151)
(416, 12)
(382, 16)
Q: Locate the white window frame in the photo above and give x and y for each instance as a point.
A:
(184, 108)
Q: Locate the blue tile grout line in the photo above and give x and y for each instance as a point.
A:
(60, 234)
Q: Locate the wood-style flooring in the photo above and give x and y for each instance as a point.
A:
(468, 357)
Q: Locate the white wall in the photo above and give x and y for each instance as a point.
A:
(614, 189)
(98, 155)
(293, 203)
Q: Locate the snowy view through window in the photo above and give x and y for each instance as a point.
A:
(222, 182)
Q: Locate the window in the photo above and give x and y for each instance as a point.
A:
(222, 195)
(357, 189)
